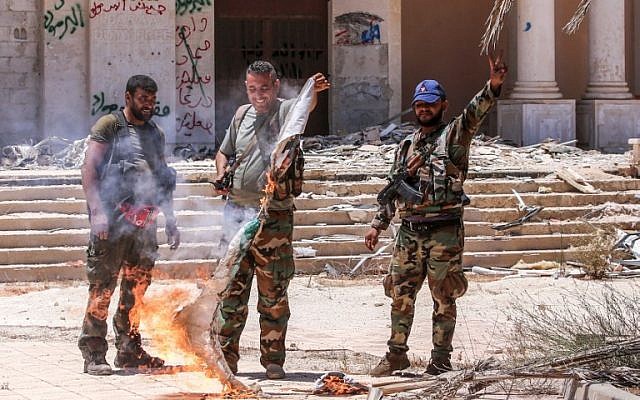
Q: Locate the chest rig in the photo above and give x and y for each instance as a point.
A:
(439, 179)
(127, 175)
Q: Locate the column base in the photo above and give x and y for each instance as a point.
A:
(607, 91)
(607, 125)
(536, 90)
(530, 122)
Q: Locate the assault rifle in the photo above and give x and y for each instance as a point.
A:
(399, 187)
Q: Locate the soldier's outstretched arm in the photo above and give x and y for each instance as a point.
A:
(93, 158)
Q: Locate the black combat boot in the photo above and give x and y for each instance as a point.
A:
(96, 364)
(389, 363)
(438, 366)
(132, 355)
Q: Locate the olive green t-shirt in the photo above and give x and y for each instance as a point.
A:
(152, 141)
(249, 178)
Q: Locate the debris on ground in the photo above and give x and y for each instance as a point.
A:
(529, 213)
(338, 383)
(576, 180)
(52, 151)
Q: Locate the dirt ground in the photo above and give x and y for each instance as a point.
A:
(336, 324)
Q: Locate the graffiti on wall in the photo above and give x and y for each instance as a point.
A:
(194, 84)
(57, 23)
(149, 7)
(357, 28)
(99, 107)
(191, 6)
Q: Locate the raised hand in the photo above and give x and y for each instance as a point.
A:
(497, 71)
(320, 82)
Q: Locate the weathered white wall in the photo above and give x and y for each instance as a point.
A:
(130, 40)
(20, 82)
(366, 83)
(194, 83)
(65, 37)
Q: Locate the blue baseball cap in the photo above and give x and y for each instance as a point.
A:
(429, 91)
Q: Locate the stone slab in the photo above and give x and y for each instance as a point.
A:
(607, 125)
(527, 122)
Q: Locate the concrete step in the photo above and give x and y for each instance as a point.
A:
(479, 186)
(345, 247)
(79, 236)
(328, 246)
(350, 216)
(54, 192)
(339, 188)
(201, 203)
(189, 269)
(201, 268)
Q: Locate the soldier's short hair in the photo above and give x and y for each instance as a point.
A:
(262, 67)
(143, 82)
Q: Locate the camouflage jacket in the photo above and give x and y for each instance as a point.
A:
(458, 134)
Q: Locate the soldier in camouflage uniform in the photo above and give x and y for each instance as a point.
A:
(251, 137)
(126, 182)
(430, 241)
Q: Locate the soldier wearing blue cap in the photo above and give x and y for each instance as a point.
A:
(433, 161)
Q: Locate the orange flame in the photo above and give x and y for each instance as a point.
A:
(336, 385)
(157, 315)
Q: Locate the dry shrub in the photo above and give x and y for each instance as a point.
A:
(581, 321)
(597, 251)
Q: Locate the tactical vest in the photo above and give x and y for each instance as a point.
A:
(127, 175)
(438, 179)
(292, 181)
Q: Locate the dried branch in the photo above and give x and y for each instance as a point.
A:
(574, 23)
(494, 25)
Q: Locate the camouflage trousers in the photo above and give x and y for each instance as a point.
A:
(133, 251)
(271, 260)
(434, 253)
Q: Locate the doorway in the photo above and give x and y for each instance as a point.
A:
(292, 35)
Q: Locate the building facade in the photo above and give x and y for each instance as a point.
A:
(64, 63)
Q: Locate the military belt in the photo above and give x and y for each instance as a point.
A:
(429, 224)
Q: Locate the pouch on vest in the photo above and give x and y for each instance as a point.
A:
(293, 179)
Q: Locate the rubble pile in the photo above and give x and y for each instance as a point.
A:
(369, 150)
(50, 152)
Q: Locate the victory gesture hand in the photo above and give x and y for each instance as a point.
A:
(320, 82)
(497, 71)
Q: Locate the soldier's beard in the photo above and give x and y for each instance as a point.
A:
(433, 121)
(139, 115)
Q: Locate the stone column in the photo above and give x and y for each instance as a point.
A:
(607, 116)
(536, 71)
(607, 78)
(535, 110)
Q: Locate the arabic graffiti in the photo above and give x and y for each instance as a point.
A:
(69, 23)
(357, 28)
(98, 107)
(190, 121)
(194, 85)
(149, 7)
(191, 6)
(190, 80)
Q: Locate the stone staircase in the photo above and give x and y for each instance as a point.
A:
(44, 226)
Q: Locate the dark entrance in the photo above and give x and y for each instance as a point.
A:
(291, 34)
